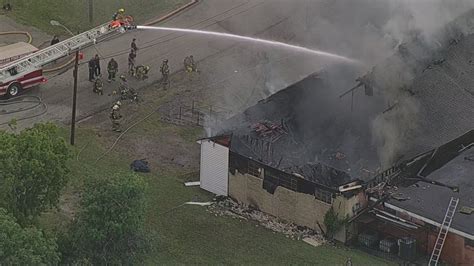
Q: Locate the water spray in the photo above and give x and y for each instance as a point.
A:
(254, 40)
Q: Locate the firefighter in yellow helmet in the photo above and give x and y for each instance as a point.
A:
(141, 72)
(189, 64)
(115, 116)
(119, 15)
(98, 85)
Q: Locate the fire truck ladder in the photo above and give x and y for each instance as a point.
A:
(443, 231)
(35, 61)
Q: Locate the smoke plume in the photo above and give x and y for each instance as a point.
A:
(394, 39)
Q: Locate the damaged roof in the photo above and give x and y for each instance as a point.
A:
(431, 201)
(422, 98)
(330, 148)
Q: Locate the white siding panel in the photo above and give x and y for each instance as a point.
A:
(214, 173)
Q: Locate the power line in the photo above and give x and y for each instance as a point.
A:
(179, 36)
(195, 24)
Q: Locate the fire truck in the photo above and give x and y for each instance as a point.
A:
(22, 67)
(11, 53)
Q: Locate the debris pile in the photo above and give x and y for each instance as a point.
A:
(227, 207)
(267, 129)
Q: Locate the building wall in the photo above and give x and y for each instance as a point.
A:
(455, 250)
(214, 167)
(300, 208)
(349, 206)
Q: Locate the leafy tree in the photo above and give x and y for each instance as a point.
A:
(110, 225)
(333, 223)
(33, 170)
(24, 246)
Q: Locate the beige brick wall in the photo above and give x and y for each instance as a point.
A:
(300, 208)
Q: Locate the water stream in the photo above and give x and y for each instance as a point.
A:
(255, 40)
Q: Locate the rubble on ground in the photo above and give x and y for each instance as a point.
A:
(227, 207)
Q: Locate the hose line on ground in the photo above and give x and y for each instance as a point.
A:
(27, 34)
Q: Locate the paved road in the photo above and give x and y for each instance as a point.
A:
(237, 74)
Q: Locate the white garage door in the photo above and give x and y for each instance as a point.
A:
(214, 167)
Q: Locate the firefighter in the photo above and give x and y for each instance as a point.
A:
(141, 72)
(189, 64)
(97, 65)
(134, 46)
(123, 87)
(91, 65)
(123, 79)
(112, 68)
(55, 40)
(119, 15)
(115, 117)
(349, 262)
(7, 7)
(130, 94)
(131, 63)
(98, 85)
(165, 71)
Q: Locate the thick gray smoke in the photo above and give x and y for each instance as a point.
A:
(376, 33)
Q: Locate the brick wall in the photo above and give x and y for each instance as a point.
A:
(455, 250)
(300, 208)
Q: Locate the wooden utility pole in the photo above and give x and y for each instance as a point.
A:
(91, 11)
(74, 98)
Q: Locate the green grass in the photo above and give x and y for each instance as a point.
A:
(74, 14)
(190, 234)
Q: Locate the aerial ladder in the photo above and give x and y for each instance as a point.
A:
(443, 231)
(19, 68)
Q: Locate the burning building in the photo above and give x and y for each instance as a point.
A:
(387, 156)
(269, 157)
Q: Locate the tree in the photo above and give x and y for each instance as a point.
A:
(333, 223)
(24, 246)
(110, 224)
(34, 170)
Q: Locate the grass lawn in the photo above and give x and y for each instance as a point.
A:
(74, 14)
(190, 234)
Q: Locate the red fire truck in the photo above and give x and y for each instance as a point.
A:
(21, 65)
(11, 53)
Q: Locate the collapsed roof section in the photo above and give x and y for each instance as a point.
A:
(413, 102)
(300, 131)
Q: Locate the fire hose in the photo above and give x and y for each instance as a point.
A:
(27, 34)
(36, 102)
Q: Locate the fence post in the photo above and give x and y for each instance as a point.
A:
(210, 114)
